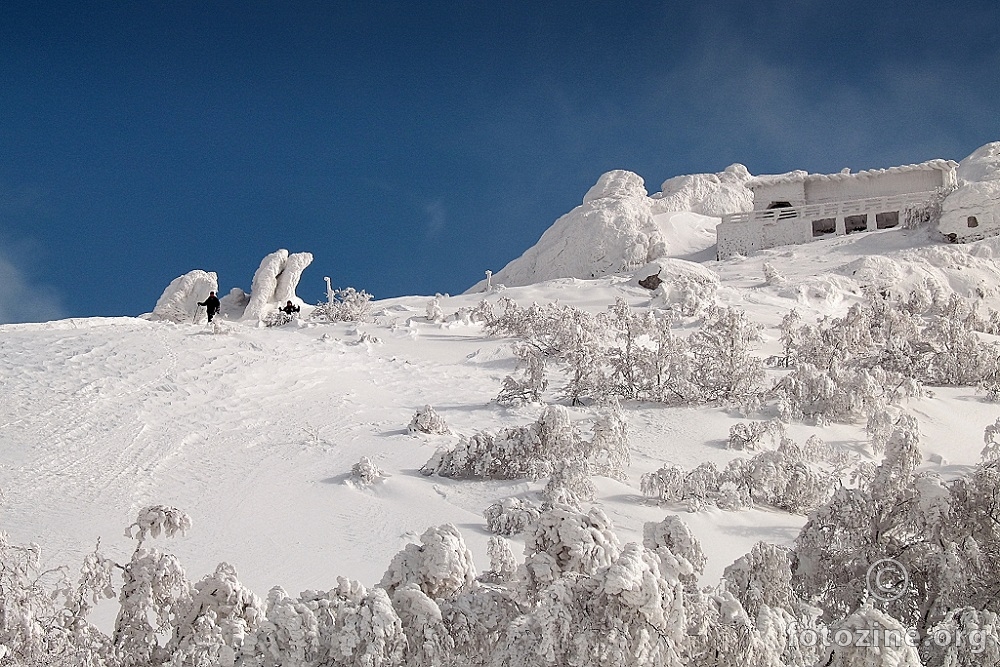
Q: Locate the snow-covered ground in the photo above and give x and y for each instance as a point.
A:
(253, 431)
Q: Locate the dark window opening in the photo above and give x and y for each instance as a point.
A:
(824, 226)
(855, 223)
(887, 220)
(973, 221)
(779, 204)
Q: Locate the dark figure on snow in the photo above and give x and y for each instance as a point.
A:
(211, 304)
(289, 308)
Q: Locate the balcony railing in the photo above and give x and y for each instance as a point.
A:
(836, 209)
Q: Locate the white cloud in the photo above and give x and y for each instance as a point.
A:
(20, 301)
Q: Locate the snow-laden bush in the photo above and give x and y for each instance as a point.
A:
(434, 312)
(751, 436)
(366, 473)
(529, 387)
(888, 643)
(214, 626)
(346, 305)
(771, 275)
(441, 565)
(676, 545)
(502, 561)
(157, 519)
(278, 318)
(585, 598)
(532, 451)
(762, 577)
(777, 478)
(965, 637)
(427, 420)
(510, 516)
(427, 638)
(851, 362)
(319, 628)
(569, 486)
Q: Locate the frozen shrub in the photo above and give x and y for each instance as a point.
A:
(771, 275)
(427, 638)
(510, 516)
(220, 615)
(724, 367)
(887, 647)
(278, 318)
(672, 539)
(980, 644)
(770, 478)
(762, 577)
(665, 484)
(751, 436)
(502, 561)
(346, 305)
(370, 634)
(366, 473)
(561, 542)
(441, 565)
(531, 451)
(991, 436)
(529, 388)
(434, 312)
(569, 486)
(157, 519)
(427, 420)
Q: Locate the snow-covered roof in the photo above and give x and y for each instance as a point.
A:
(803, 176)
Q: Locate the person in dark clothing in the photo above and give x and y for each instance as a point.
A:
(289, 308)
(211, 304)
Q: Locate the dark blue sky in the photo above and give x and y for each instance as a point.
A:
(412, 145)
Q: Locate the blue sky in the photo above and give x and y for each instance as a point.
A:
(410, 146)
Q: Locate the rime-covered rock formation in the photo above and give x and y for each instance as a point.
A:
(275, 281)
(179, 301)
(619, 228)
(972, 211)
(611, 231)
(707, 194)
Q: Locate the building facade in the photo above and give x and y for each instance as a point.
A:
(799, 207)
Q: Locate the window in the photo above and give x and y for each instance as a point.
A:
(887, 220)
(824, 226)
(855, 223)
(973, 221)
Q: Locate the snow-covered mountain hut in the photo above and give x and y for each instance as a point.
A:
(799, 207)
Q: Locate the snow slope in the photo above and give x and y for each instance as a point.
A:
(253, 431)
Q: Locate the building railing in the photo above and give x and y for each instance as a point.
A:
(837, 209)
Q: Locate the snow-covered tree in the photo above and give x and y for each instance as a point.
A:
(441, 565)
(510, 516)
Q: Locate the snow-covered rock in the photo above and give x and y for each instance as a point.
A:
(611, 231)
(707, 194)
(179, 301)
(275, 282)
(982, 165)
(972, 211)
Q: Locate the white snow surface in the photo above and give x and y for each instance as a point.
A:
(253, 432)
